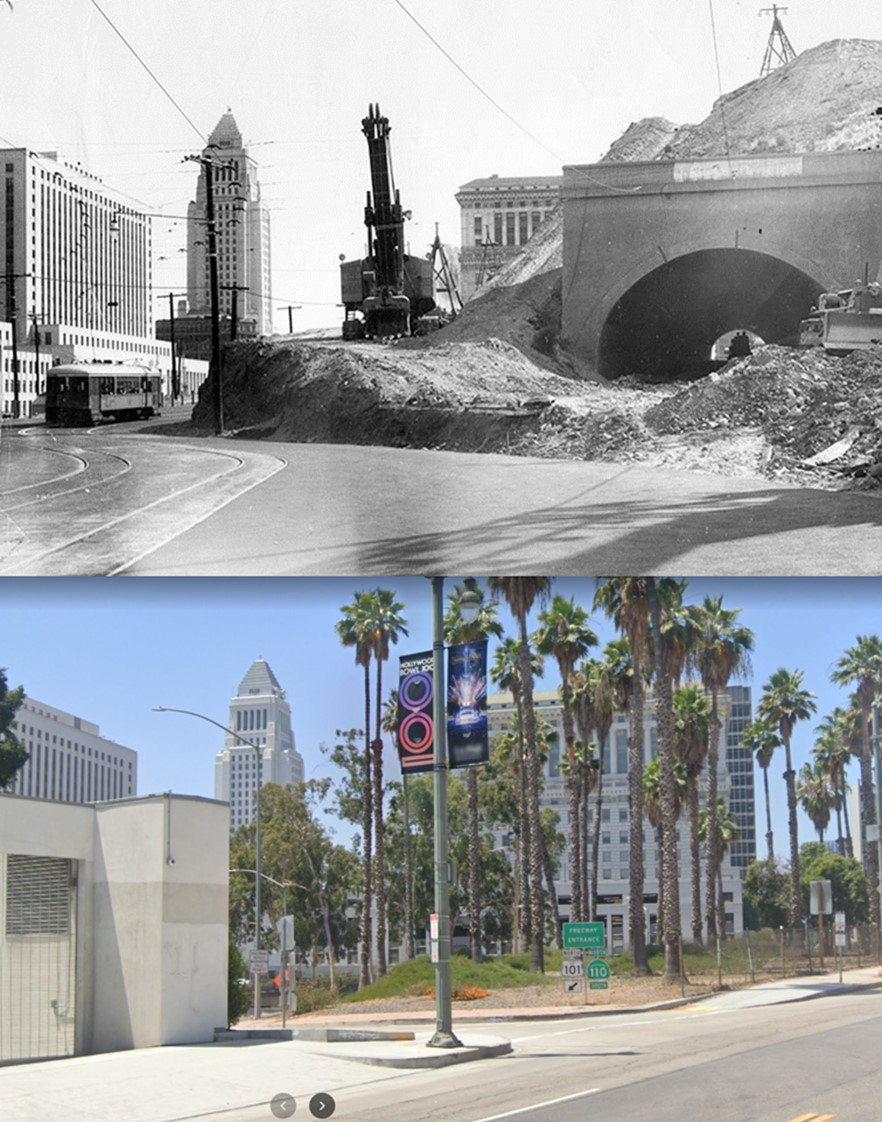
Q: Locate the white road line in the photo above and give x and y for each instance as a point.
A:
(538, 1106)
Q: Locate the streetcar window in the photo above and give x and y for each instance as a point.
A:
(106, 385)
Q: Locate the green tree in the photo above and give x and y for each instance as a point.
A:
(765, 895)
(625, 601)
(521, 593)
(848, 881)
(861, 666)
(832, 755)
(761, 740)
(784, 701)
(456, 630)
(238, 996)
(399, 790)
(12, 754)
(653, 800)
(726, 825)
(722, 651)
(815, 796)
(565, 635)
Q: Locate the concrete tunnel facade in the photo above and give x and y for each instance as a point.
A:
(661, 258)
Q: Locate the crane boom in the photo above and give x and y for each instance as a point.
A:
(383, 216)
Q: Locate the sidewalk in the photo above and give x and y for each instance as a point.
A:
(235, 1080)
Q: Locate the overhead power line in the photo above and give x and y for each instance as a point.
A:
(141, 61)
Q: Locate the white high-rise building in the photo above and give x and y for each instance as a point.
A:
(261, 718)
(69, 761)
(242, 227)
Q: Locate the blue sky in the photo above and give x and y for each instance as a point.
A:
(566, 79)
(110, 650)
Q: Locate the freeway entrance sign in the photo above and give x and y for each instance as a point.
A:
(588, 935)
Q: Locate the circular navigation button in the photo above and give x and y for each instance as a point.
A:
(322, 1105)
(283, 1105)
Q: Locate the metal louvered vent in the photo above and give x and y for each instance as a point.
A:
(37, 895)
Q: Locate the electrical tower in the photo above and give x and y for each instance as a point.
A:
(443, 275)
(779, 47)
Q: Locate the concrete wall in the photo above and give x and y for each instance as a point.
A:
(151, 912)
(820, 213)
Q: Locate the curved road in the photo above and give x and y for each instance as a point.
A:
(109, 501)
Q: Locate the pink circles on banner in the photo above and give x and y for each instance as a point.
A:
(415, 691)
(416, 733)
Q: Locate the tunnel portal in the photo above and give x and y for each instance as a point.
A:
(665, 325)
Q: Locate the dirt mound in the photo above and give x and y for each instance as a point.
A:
(642, 140)
(804, 403)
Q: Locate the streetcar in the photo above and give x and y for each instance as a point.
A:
(86, 393)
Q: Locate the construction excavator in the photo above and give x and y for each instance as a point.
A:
(385, 294)
(845, 321)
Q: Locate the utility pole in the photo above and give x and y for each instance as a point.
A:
(291, 309)
(12, 313)
(208, 166)
(443, 274)
(174, 371)
(779, 46)
(36, 347)
(234, 307)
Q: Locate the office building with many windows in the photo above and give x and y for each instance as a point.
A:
(69, 761)
(498, 218)
(259, 746)
(735, 779)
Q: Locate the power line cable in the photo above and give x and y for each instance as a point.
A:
(141, 61)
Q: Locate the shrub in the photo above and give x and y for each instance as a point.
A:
(238, 995)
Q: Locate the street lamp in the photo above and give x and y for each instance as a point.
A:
(256, 747)
(469, 606)
(284, 885)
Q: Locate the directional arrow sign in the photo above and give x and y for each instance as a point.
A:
(572, 985)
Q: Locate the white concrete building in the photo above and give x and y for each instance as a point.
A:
(735, 784)
(242, 226)
(77, 276)
(69, 761)
(113, 925)
(262, 749)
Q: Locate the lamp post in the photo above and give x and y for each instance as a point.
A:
(256, 747)
(283, 979)
(470, 603)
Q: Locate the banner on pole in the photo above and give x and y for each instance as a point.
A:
(416, 696)
(467, 741)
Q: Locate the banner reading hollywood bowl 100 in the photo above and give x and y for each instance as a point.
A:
(416, 727)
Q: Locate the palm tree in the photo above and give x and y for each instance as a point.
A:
(520, 593)
(456, 630)
(832, 756)
(653, 803)
(670, 638)
(351, 632)
(762, 740)
(506, 673)
(390, 726)
(692, 717)
(861, 665)
(722, 651)
(565, 635)
(816, 797)
(382, 625)
(727, 832)
(783, 703)
(624, 600)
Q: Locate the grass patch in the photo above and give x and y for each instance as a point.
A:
(417, 977)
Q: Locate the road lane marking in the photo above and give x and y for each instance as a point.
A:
(814, 1118)
(538, 1106)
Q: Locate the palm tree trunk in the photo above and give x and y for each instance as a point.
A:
(721, 903)
(583, 866)
(365, 934)
(795, 901)
(849, 847)
(474, 866)
(537, 918)
(552, 894)
(710, 843)
(575, 811)
(595, 835)
(868, 814)
(410, 948)
(636, 918)
(769, 838)
(695, 852)
(379, 824)
(523, 837)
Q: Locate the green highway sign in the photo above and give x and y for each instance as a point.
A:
(589, 935)
(598, 970)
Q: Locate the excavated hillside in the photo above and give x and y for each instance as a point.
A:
(497, 379)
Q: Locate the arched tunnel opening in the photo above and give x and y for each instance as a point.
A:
(665, 326)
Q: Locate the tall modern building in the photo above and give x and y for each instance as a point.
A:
(69, 761)
(75, 278)
(498, 218)
(735, 778)
(261, 718)
(242, 227)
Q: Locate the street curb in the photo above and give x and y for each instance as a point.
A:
(441, 1058)
(325, 1035)
(836, 988)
